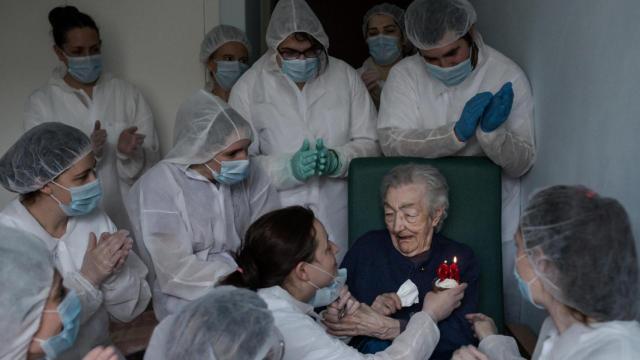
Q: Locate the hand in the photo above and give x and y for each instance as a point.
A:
(371, 78)
(365, 322)
(103, 258)
(441, 304)
(471, 114)
(102, 353)
(328, 162)
(387, 304)
(303, 162)
(482, 325)
(499, 109)
(98, 139)
(129, 141)
(469, 353)
(345, 305)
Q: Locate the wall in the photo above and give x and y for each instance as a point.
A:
(582, 61)
(151, 43)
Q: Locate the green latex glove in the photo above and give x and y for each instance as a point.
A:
(303, 162)
(328, 162)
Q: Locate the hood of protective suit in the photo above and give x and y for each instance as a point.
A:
(291, 16)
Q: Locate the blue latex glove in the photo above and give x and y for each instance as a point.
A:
(303, 162)
(498, 110)
(328, 161)
(471, 114)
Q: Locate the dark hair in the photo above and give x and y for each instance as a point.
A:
(66, 18)
(273, 246)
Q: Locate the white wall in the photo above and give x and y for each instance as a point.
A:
(581, 57)
(151, 43)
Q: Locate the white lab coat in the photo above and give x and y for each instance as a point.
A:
(118, 105)
(122, 297)
(334, 106)
(618, 340)
(187, 228)
(306, 339)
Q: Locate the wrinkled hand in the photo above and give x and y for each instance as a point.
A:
(482, 325)
(303, 162)
(328, 162)
(471, 113)
(441, 304)
(370, 78)
(364, 321)
(345, 305)
(102, 353)
(129, 141)
(98, 139)
(387, 304)
(499, 108)
(106, 257)
(469, 352)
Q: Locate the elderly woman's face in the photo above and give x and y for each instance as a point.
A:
(406, 214)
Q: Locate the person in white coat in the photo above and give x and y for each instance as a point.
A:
(289, 260)
(311, 114)
(191, 210)
(51, 167)
(110, 110)
(577, 259)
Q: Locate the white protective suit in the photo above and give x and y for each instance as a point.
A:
(122, 297)
(118, 105)
(599, 341)
(186, 225)
(306, 339)
(334, 106)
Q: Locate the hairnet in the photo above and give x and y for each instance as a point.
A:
(40, 155)
(219, 36)
(433, 24)
(291, 16)
(226, 323)
(391, 10)
(26, 275)
(210, 127)
(581, 246)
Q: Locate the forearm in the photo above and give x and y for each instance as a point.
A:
(417, 341)
(428, 143)
(354, 149)
(126, 293)
(499, 347)
(90, 297)
(513, 153)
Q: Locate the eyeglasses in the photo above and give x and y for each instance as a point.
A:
(292, 54)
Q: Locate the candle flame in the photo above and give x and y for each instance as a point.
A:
(455, 260)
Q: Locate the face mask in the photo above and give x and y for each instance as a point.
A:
(229, 72)
(300, 71)
(328, 294)
(85, 69)
(451, 76)
(69, 312)
(84, 198)
(384, 49)
(525, 287)
(231, 172)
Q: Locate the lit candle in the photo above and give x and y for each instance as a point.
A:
(454, 272)
(443, 271)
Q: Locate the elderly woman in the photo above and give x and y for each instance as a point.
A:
(576, 258)
(410, 248)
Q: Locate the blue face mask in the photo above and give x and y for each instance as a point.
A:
(69, 312)
(85, 69)
(384, 49)
(231, 172)
(300, 71)
(229, 72)
(451, 76)
(84, 198)
(525, 287)
(328, 294)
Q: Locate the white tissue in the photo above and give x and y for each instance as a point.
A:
(408, 293)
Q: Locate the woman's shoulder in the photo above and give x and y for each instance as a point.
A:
(450, 245)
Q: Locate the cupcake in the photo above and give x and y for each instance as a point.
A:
(440, 285)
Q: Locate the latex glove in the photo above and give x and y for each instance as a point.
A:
(303, 162)
(471, 113)
(441, 304)
(387, 304)
(469, 352)
(328, 162)
(482, 325)
(129, 141)
(98, 139)
(104, 258)
(499, 109)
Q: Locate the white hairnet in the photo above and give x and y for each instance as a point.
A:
(226, 323)
(211, 128)
(26, 275)
(219, 36)
(291, 16)
(40, 155)
(384, 9)
(581, 246)
(433, 24)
